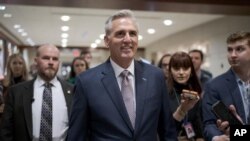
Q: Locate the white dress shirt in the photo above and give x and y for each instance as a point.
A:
(59, 109)
(118, 70)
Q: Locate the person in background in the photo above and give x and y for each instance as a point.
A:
(121, 99)
(231, 88)
(1, 95)
(1, 101)
(78, 65)
(87, 56)
(198, 58)
(32, 71)
(38, 109)
(164, 64)
(186, 111)
(16, 72)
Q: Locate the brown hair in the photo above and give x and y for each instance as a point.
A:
(160, 62)
(178, 60)
(238, 36)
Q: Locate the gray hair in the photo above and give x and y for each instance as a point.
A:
(125, 13)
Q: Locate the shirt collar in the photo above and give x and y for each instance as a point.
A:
(118, 69)
(41, 82)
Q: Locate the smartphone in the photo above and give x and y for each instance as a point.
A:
(222, 112)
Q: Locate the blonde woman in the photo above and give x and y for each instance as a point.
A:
(16, 72)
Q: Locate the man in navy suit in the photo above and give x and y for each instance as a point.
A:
(99, 112)
(232, 88)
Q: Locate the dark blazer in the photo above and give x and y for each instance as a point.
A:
(17, 116)
(193, 116)
(225, 89)
(205, 77)
(99, 113)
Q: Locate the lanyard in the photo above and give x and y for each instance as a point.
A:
(185, 120)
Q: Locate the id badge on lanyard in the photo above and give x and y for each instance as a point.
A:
(188, 128)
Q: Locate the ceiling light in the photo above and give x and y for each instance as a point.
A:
(30, 41)
(65, 28)
(2, 7)
(93, 45)
(17, 26)
(65, 18)
(64, 45)
(151, 31)
(7, 15)
(20, 30)
(97, 41)
(140, 37)
(168, 22)
(102, 36)
(64, 35)
(24, 34)
(64, 40)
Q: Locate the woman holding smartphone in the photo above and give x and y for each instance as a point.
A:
(186, 110)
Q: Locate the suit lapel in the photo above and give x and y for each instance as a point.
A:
(67, 91)
(27, 105)
(110, 83)
(141, 92)
(235, 92)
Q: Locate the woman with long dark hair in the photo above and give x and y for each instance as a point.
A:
(186, 111)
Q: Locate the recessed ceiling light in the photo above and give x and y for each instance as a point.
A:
(17, 26)
(7, 15)
(93, 45)
(30, 41)
(64, 40)
(140, 37)
(65, 28)
(151, 31)
(24, 34)
(64, 35)
(2, 7)
(20, 30)
(97, 41)
(102, 36)
(64, 44)
(65, 18)
(168, 22)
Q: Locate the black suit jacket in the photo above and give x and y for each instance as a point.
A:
(17, 116)
(99, 113)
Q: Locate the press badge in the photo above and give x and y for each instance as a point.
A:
(189, 130)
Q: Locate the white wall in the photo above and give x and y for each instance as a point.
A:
(211, 35)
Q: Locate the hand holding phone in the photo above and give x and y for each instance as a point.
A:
(223, 113)
(190, 94)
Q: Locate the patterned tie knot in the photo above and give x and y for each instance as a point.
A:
(48, 85)
(124, 74)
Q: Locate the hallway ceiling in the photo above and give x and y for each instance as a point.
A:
(41, 19)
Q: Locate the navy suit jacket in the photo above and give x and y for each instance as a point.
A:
(225, 89)
(17, 116)
(99, 113)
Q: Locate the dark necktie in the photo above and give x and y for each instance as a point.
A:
(128, 97)
(46, 116)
